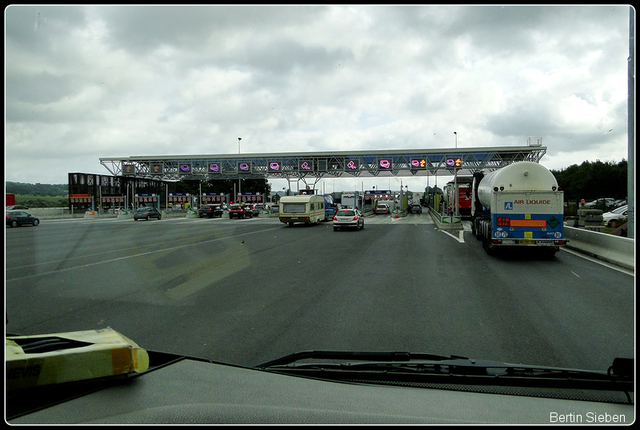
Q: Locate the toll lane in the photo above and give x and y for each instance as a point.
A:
(247, 291)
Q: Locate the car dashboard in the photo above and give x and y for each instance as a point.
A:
(181, 390)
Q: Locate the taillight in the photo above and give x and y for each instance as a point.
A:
(355, 218)
(334, 218)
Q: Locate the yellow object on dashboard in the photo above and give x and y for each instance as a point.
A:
(48, 359)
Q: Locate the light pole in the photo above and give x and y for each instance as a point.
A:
(456, 193)
(239, 179)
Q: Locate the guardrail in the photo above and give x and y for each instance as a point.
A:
(607, 247)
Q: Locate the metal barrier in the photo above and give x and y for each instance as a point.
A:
(607, 247)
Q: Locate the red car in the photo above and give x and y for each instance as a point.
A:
(239, 211)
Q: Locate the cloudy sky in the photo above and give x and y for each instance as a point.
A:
(83, 83)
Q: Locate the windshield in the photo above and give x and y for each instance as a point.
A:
(173, 106)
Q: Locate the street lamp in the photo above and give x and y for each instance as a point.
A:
(456, 195)
(239, 179)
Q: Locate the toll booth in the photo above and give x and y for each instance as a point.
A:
(179, 201)
(250, 197)
(81, 202)
(110, 203)
(213, 198)
(146, 200)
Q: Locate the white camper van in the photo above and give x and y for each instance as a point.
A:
(308, 209)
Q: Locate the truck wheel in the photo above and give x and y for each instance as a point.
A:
(491, 250)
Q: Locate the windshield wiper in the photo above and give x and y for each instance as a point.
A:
(424, 368)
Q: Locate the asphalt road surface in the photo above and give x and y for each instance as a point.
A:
(249, 291)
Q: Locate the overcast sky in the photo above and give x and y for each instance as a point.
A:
(108, 81)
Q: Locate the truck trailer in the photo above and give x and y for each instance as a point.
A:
(464, 184)
(519, 205)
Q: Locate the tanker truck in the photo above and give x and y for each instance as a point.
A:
(519, 205)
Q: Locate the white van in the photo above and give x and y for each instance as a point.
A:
(308, 209)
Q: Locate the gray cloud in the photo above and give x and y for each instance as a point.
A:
(93, 81)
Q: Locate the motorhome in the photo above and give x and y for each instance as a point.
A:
(308, 209)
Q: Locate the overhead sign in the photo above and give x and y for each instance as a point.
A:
(384, 164)
(185, 168)
(352, 165)
(305, 166)
(156, 168)
(244, 167)
(454, 162)
(128, 169)
(275, 166)
(418, 163)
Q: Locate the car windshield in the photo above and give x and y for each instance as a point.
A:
(417, 106)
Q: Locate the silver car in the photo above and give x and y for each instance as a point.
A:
(348, 218)
(615, 217)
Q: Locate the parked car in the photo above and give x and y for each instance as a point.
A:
(146, 213)
(621, 202)
(348, 218)
(415, 208)
(239, 211)
(16, 207)
(598, 202)
(210, 210)
(19, 218)
(382, 208)
(616, 217)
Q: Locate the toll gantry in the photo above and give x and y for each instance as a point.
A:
(318, 165)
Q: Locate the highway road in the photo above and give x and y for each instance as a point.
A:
(248, 291)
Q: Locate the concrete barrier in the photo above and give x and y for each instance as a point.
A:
(607, 247)
(446, 222)
(90, 215)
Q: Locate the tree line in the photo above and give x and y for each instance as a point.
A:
(593, 180)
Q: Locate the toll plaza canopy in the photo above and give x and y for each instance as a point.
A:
(318, 165)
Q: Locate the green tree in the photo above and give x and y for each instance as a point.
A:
(592, 180)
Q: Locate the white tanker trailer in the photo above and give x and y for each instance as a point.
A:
(519, 205)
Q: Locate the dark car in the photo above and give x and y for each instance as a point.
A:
(210, 211)
(240, 211)
(146, 213)
(18, 218)
(415, 208)
(16, 208)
